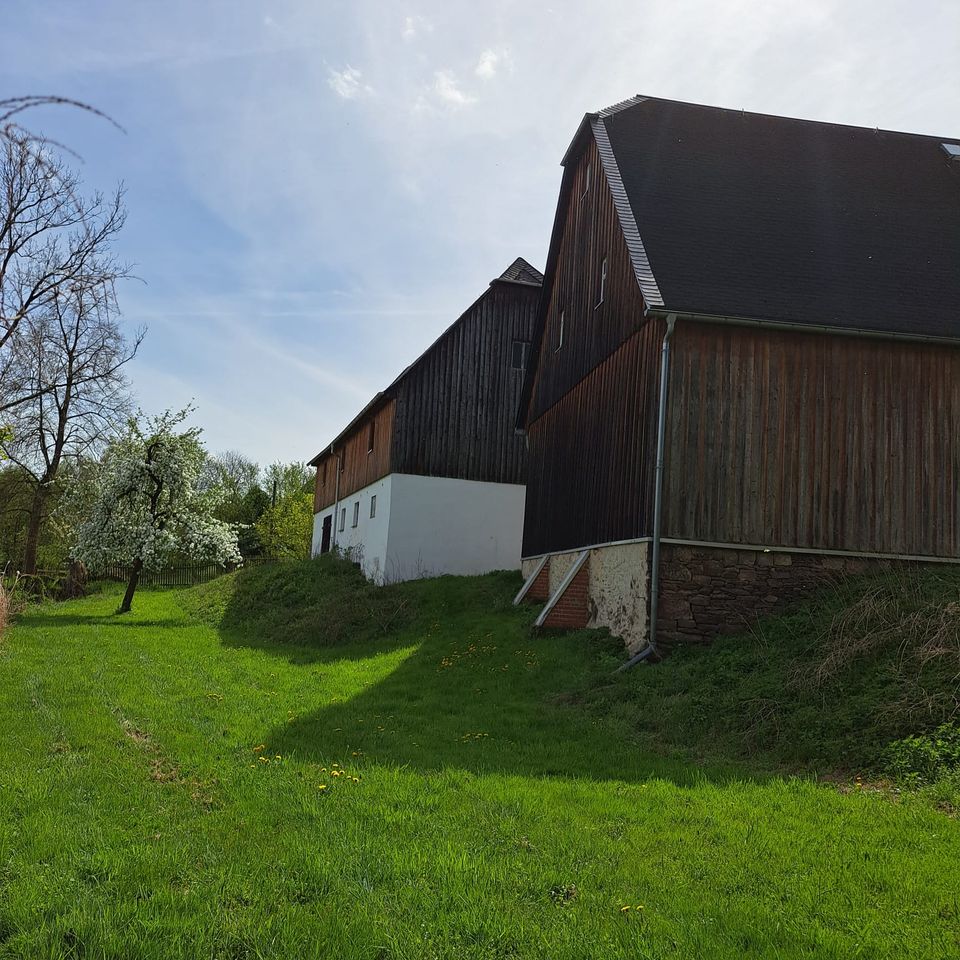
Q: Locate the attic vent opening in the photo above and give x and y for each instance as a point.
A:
(952, 150)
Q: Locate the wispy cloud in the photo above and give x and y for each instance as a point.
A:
(309, 252)
(490, 62)
(415, 25)
(447, 90)
(348, 83)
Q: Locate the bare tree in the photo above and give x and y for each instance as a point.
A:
(12, 110)
(231, 472)
(50, 239)
(69, 360)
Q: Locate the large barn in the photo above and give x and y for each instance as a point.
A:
(428, 478)
(746, 376)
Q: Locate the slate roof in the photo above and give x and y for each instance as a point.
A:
(755, 216)
(521, 272)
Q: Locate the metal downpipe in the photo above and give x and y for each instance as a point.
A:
(336, 501)
(651, 647)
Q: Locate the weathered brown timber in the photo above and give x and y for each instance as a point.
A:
(807, 440)
(452, 412)
(592, 330)
(590, 466)
(456, 406)
(592, 418)
(360, 466)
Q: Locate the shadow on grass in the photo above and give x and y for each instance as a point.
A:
(480, 692)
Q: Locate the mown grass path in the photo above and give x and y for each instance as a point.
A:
(166, 791)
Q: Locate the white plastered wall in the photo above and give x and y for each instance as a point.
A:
(440, 525)
(429, 526)
(367, 542)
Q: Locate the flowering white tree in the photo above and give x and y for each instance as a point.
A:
(149, 504)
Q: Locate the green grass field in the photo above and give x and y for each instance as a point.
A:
(288, 765)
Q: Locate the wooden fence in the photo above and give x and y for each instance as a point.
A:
(182, 575)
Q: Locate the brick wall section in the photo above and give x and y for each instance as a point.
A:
(706, 592)
(540, 588)
(572, 610)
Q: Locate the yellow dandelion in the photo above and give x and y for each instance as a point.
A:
(624, 909)
(322, 786)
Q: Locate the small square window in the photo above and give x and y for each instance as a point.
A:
(373, 506)
(356, 513)
(559, 332)
(518, 359)
(343, 518)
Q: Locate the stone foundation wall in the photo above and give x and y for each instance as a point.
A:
(706, 592)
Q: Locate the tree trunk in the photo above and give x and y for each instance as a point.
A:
(34, 523)
(135, 572)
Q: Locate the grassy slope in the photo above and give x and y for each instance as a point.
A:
(505, 807)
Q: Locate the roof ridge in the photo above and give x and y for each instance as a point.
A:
(641, 98)
(621, 105)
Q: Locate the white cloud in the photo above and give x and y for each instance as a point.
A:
(415, 25)
(348, 83)
(446, 89)
(488, 64)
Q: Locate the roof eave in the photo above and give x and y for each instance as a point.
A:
(793, 326)
(518, 283)
(378, 399)
(642, 269)
(575, 147)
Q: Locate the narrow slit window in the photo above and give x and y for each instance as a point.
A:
(603, 281)
(373, 506)
(343, 518)
(586, 181)
(560, 332)
(356, 513)
(518, 360)
(371, 435)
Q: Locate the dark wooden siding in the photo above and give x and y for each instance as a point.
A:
(591, 231)
(457, 407)
(590, 473)
(812, 440)
(360, 467)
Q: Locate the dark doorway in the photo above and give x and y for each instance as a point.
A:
(325, 536)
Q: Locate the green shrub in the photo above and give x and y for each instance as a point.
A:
(926, 758)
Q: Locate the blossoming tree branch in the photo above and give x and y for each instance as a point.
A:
(149, 504)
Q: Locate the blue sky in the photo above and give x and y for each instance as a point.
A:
(317, 189)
